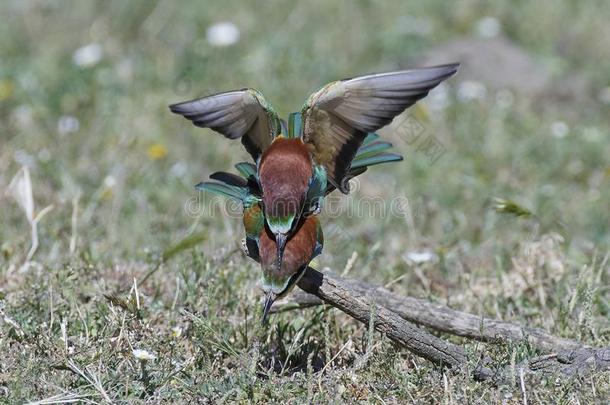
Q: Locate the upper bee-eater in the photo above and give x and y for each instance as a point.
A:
(293, 168)
(276, 281)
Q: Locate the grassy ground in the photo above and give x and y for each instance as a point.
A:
(118, 170)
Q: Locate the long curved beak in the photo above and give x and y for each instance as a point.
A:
(280, 240)
(269, 299)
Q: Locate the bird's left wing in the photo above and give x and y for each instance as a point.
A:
(235, 114)
(338, 117)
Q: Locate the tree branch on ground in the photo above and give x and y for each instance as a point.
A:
(397, 316)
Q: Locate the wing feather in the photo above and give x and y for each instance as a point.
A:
(338, 117)
(235, 114)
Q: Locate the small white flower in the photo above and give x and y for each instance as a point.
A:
(488, 27)
(471, 90)
(67, 124)
(421, 257)
(87, 55)
(176, 332)
(143, 355)
(559, 129)
(109, 181)
(24, 158)
(222, 34)
(178, 169)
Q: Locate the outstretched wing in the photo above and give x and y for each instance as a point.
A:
(235, 114)
(338, 117)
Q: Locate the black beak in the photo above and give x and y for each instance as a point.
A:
(280, 239)
(269, 299)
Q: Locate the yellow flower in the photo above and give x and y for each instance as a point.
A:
(6, 89)
(157, 151)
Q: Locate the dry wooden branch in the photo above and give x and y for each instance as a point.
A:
(440, 317)
(391, 315)
(337, 293)
(568, 363)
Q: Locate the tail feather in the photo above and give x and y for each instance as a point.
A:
(370, 138)
(370, 153)
(246, 169)
(375, 160)
(234, 192)
(229, 178)
(373, 148)
(356, 171)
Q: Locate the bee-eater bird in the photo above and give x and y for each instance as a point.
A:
(293, 168)
(278, 279)
(260, 245)
(307, 241)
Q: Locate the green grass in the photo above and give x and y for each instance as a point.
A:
(119, 185)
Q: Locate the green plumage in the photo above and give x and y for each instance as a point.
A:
(236, 193)
(373, 160)
(253, 216)
(295, 124)
(369, 138)
(246, 169)
(317, 189)
(372, 148)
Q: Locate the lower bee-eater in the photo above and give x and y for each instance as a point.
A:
(278, 279)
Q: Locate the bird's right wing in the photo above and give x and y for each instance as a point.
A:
(338, 117)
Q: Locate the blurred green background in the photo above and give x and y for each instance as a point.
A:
(84, 90)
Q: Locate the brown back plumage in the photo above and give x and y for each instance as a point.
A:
(284, 172)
